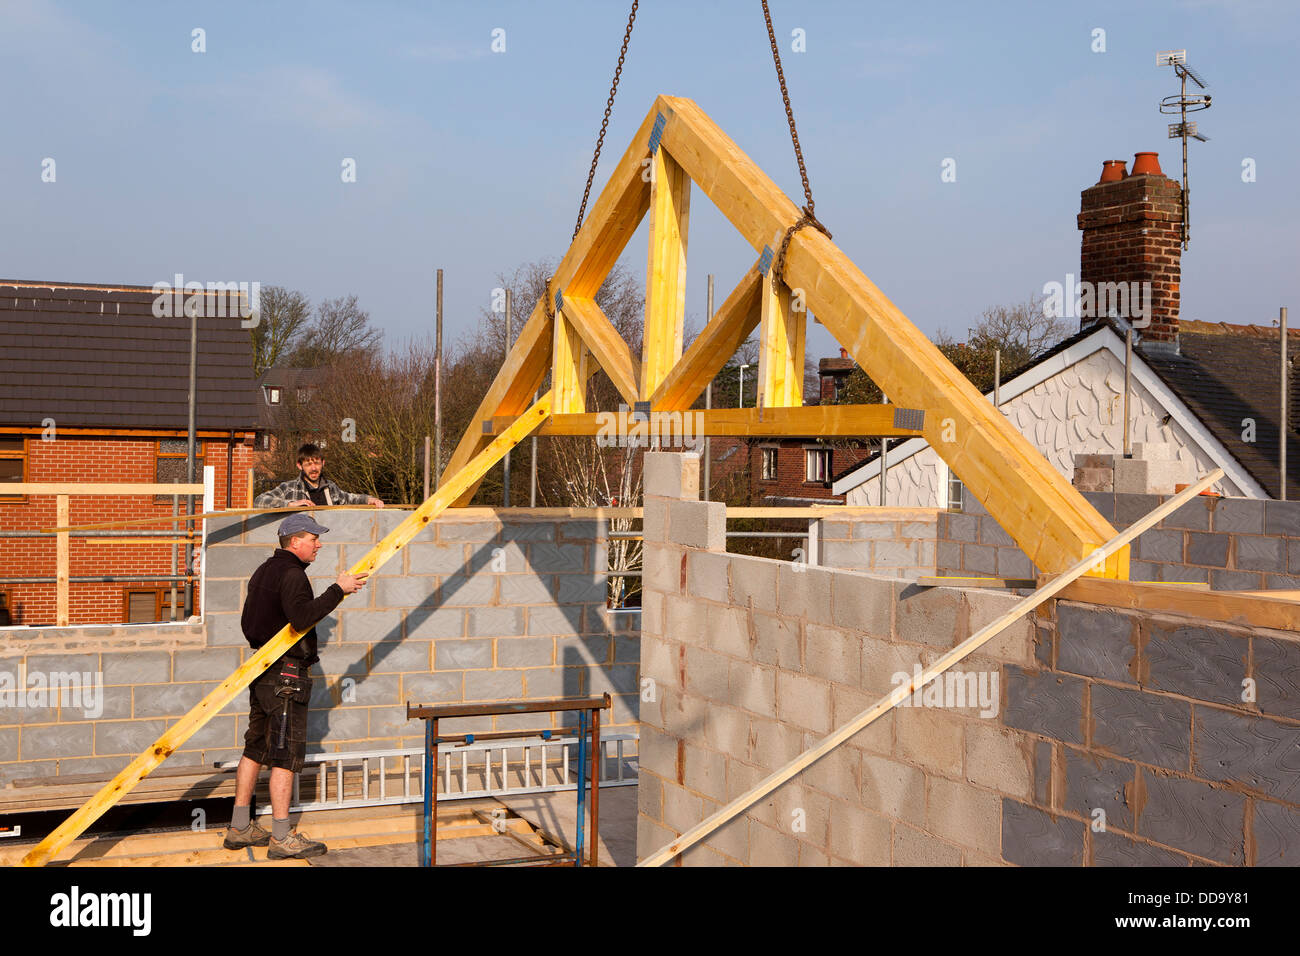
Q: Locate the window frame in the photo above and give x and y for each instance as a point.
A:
(7, 594)
(956, 504)
(775, 452)
(25, 456)
(158, 603)
(269, 389)
(824, 454)
(200, 459)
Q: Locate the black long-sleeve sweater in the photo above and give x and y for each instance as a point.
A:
(279, 594)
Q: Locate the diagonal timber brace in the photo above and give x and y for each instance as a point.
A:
(271, 651)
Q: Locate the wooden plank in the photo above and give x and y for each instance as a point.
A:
(1227, 607)
(855, 421)
(141, 540)
(182, 517)
(266, 655)
(780, 347)
(665, 284)
(903, 691)
(959, 582)
(71, 488)
(722, 336)
(61, 564)
(568, 368)
(606, 345)
(1051, 521)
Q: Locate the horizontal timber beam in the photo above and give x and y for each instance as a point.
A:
(841, 421)
(70, 488)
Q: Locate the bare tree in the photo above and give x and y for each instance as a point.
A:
(341, 329)
(284, 315)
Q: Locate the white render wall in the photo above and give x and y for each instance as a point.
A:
(1080, 410)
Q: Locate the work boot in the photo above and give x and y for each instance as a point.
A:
(251, 835)
(295, 846)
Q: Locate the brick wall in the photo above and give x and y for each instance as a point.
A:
(752, 661)
(1231, 544)
(476, 608)
(74, 460)
(1132, 232)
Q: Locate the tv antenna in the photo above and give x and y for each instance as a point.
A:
(1182, 104)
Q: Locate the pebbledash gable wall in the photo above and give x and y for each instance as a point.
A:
(478, 608)
(1119, 738)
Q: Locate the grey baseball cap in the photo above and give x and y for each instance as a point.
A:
(296, 523)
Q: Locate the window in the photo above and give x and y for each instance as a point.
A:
(169, 465)
(7, 616)
(272, 394)
(304, 396)
(955, 492)
(151, 607)
(818, 464)
(13, 463)
(769, 463)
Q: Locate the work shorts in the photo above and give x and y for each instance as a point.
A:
(265, 710)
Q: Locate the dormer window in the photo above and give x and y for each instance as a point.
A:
(272, 394)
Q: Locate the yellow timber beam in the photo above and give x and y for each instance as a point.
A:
(1050, 520)
(665, 274)
(780, 346)
(568, 368)
(607, 346)
(271, 651)
(840, 421)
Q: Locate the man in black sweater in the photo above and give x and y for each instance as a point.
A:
(279, 594)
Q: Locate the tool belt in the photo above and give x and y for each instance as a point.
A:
(291, 680)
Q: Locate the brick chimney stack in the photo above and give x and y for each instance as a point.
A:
(1132, 233)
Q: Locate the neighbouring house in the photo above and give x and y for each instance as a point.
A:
(790, 471)
(1203, 394)
(281, 393)
(94, 389)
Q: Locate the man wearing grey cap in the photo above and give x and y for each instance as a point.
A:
(279, 594)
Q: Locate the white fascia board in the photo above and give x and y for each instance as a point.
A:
(1104, 338)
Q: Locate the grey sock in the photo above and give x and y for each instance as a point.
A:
(239, 821)
(280, 829)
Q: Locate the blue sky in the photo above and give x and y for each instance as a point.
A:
(226, 165)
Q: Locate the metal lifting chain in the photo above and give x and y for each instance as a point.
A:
(609, 105)
(809, 217)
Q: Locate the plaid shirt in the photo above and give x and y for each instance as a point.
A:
(295, 489)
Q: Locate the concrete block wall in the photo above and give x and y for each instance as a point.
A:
(475, 609)
(1156, 741)
(897, 542)
(1231, 544)
(752, 661)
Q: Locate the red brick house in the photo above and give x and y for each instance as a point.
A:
(94, 389)
(789, 471)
